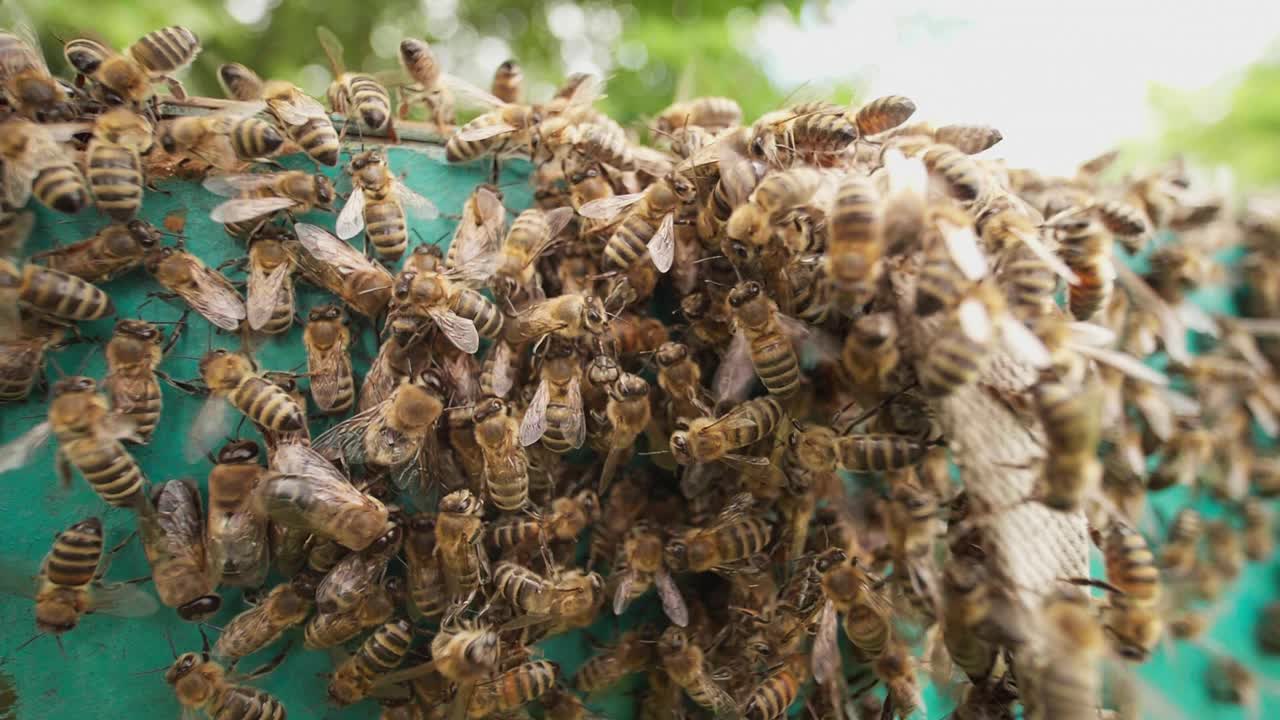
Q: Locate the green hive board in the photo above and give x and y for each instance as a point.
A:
(109, 667)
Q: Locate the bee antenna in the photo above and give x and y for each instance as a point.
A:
(32, 639)
(57, 368)
(709, 281)
(708, 259)
(204, 642)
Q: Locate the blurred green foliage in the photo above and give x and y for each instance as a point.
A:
(650, 49)
(1237, 123)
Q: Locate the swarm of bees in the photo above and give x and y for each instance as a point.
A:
(533, 449)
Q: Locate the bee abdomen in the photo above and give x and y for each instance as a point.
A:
(477, 308)
(949, 366)
(241, 702)
(115, 176)
(776, 364)
(318, 138)
(371, 101)
(744, 538)
(867, 631)
(510, 493)
(18, 370)
(109, 469)
(76, 554)
(145, 410)
(387, 646)
(878, 452)
(519, 586)
(167, 49)
(625, 246)
(65, 295)
(385, 225)
(267, 405)
(773, 696)
(61, 188)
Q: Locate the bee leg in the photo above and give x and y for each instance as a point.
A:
(270, 665)
(175, 87)
(110, 554)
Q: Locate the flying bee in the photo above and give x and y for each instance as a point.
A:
(392, 434)
(628, 411)
(641, 565)
(734, 537)
(710, 439)
(113, 162)
(513, 688)
(254, 199)
(233, 380)
(25, 82)
(1127, 222)
(262, 625)
(202, 684)
(69, 584)
(172, 529)
(236, 538)
(356, 94)
(631, 653)
(508, 82)
(648, 226)
(225, 139)
(108, 253)
(1178, 552)
(1259, 526)
(566, 595)
(308, 492)
(52, 293)
(555, 413)
(127, 77)
(1226, 549)
(506, 467)
(133, 360)
(380, 204)
(709, 112)
(36, 165)
(685, 663)
(459, 537)
(334, 265)
(327, 340)
(430, 85)
(763, 339)
(303, 118)
(532, 233)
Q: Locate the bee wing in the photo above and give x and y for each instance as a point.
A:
(460, 331)
(651, 161)
(1262, 413)
(332, 49)
(1173, 333)
(578, 425)
(1125, 363)
(826, 647)
(209, 426)
(662, 246)
(962, 246)
(326, 370)
(416, 204)
(975, 322)
(242, 209)
(534, 422)
(123, 600)
(469, 95)
(461, 701)
(326, 248)
(264, 291)
(557, 220)
(472, 133)
(347, 437)
(607, 208)
(215, 299)
(351, 218)
(21, 450)
(1048, 257)
(735, 374)
(673, 603)
(622, 593)
(1024, 344)
(1091, 334)
(230, 186)
(1197, 319)
(504, 357)
(298, 109)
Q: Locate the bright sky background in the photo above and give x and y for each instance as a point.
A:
(1061, 80)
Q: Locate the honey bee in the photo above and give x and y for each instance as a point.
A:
(255, 198)
(820, 449)
(392, 434)
(69, 584)
(628, 413)
(513, 688)
(962, 349)
(508, 82)
(896, 668)
(883, 113)
(108, 253)
(856, 243)
(870, 351)
(564, 521)
(851, 591)
(568, 316)
(708, 440)
(1178, 553)
(505, 127)
(303, 119)
(1132, 618)
(734, 538)
(1086, 248)
(459, 537)
(425, 584)
(22, 353)
(430, 85)
(380, 204)
(531, 234)
(641, 565)
(622, 507)
(356, 94)
(709, 112)
(632, 653)
(449, 301)
(133, 359)
(262, 625)
(205, 290)
(114, 162)
(1259, 530)
(967, 610)
(25, 83)
(764, 340)
(774, 695)
(685, 663)
(565, 595)
(364, 286)
(647, 227)
(326, 630)
(680, 378)
(1226, 550)
(236, 537)
(465, 653)
(816, 131)
(269, 306)
(327, 341)
(555, 414)
(127, 77)
(381, 652)
(225, 139)
(172, 529)
(506, 467)
(233, 378)
(310, 493)
(1068, 680)
(36, 165)
(202, 684)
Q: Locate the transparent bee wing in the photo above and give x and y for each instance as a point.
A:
(735, 374)
(460, 331)
(622, 593)
(332, 49)
(534, 423)
(651, 161)
(1024, 344)
(962, 246)
(673, 603)
(347, 437)
(264, 291)
(1092, 334)
(214, 298)
(975, 322)
(662, 246)
(578, 426)
(461, 701)
(1197, 319)
(473, 133)
(21, 450)
(1173, 333)
(351, 218)
(470, 96)
(242, 209)
(231, 186)
(747, 459)
(15, 62)
(826, 647)
(1262, 413)
(558, 219)
(1125, 363)
(326, 370)
(1049, 258)
(19, 231)
(416, 204)
(123, 600)
(298, 109)
(209, 427)
(608, 208)
(503, 377)
(118, 426)
(327, 249)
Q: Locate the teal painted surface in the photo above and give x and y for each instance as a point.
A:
(106, 666)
